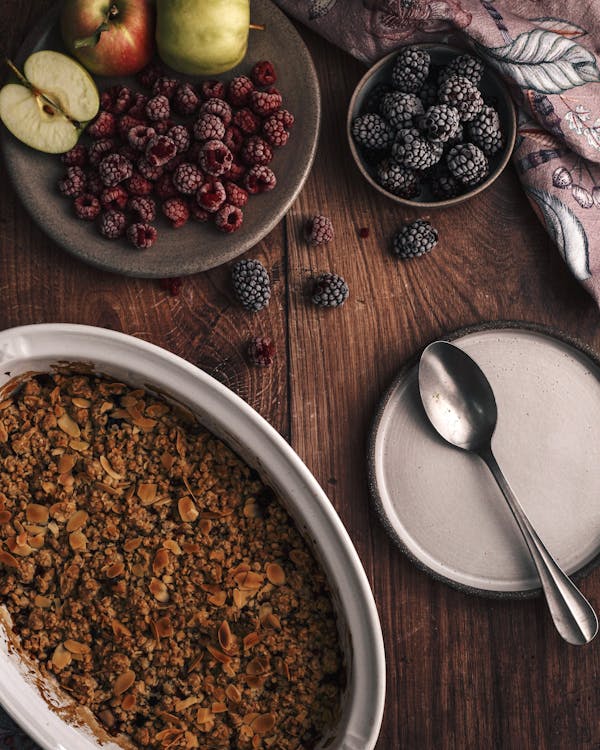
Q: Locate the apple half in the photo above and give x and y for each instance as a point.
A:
(50, 105)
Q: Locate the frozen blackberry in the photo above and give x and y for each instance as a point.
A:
(465, 66)
(142, 235)
(411, 68)
(443, 184)
(400, 109)
(372, 132)
(329, 290)
(209, 127)
(414, 151)
(414, 239)
(114, 169)
(467, 163)
(441, 122)
(463, 95)
(251, 284)
(375, 97)
(485, 131)
(397, 179)
(112, 224)
(319, 230)
(428, 94)
(261, 351)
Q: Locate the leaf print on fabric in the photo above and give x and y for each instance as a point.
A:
(543, 156)
(319, 8)
(577, 120)
(399, 19)
(559, 26)
(566, 230)
(545, 112)
(544, 61)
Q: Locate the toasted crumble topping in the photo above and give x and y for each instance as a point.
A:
(149, 569)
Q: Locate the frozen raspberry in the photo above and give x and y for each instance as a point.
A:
(180, 136)
(198, 213)
(261, 351)
(219, 108)
(274, 132)
(194, 151)
(87, 207)
(187, 178)
(172, 285)
(235, 194)
(139, 185)
(265, 102)
(114, 197)
(76, 157)
(73, 183)
(115, 168)
(128, 152)
(213, 89)
(209, 127)
(165, 86)
(160, 150)
(247, 121)
(256, 151)
(112, 224)
(125, 123)
(211, 195)
(177, 212)
(259, 179)
(143, 208)
(164, 187)
(173, 163)
(116, 99)
(94, 184)
(138, 109)
(235, 172)
(215, 158)
(186, 101)
(149, 75)
(158, 108)
(263, 73)
(142, 235)
(318, 230)
(284, 117)
(147, 170)
(139, 136)
(104, 126)
(233, 138)
(229, 218)
(239, 91)
(100, 149)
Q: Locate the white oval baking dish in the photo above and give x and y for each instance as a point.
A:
(37, 348)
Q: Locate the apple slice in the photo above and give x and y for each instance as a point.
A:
(49, 107)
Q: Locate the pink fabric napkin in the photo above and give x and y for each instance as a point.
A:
(546, 53)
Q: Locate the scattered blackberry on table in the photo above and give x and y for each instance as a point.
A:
(465, 66)
(87, 207)
(217, 107)
(415, 151)
(263, 73)
(372, 132)
(259, 179)
(485, 132)
(142, 235)
(158, 108)
(441, 122)
(73, 184)
(104, 126)
(329, 290)
(229, 218)
(143, 208)
(177, 212)
(239, 91)
(398, 179)
(185, 101)
(414, 239)
(187, 178)
(463, 95)
(410, 70)
(256, 151)
(319, 230)
(400, 109)
(251, 284)
(114, 169)
(261, 351)
(467, 163)
(114, 197)
(112, 224)
(209, 127)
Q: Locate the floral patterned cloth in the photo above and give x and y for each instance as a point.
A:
(544, 49)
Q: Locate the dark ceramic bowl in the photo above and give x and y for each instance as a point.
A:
(494, 93)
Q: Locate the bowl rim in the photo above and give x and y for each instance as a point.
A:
(511, 128)
(239, 425)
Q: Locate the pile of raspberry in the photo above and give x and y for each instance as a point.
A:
(183, 150)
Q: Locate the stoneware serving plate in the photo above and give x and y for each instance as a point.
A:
(194, 247)
(36, 348)
(441, 505)
(494, 93)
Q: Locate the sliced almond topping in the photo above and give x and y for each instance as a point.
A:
(187, 509)
(250, 640)
(68, 425)
(275, 574)
(37, 513)
(186, 703)
(205, 525)
(241, 598)
(218, 707)
(5, 516)
(218, 599)
(172, 546)
(66, 462)
(119, 629)
(132, 544)
(124, 682)
(81, 403)
(191, 548)
(161, 560)
(105, 464)
(3, 433)
(252, 510)
(146, 491)
(263, 723)
(36, 541)
(5, 404)
(49, 487)
(258, 665)
(66, 480)
(105, 406)
(61, 658)
(203, 715)
(218, 655)
(79, 445)
(77, 520)
(33, 528)
(44, 602)
(225, 636)
(115, 570)
(233, 694)
(159, 590)
(139, 420)
(78, 541)
(138, 570)
(167, 461)
(75, 647)
(22, 550)
(272, 621)
(157, 410)
(164, 628)
(129, 702)
(53, 528)
(249, 581)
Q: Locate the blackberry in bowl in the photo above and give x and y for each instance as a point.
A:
(433, 133)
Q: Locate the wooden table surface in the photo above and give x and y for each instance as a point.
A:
(462, 672)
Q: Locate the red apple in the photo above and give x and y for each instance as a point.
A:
(110, 38)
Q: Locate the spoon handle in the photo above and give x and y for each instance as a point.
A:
(573, 615)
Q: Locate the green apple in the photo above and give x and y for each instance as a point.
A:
(202, 37)
(49, 106)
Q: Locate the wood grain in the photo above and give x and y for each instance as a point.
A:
(463, 672)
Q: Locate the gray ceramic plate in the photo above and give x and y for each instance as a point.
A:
(442, 506)
(195, 247)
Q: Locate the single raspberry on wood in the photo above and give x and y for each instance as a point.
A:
(114, 197)
(217, 107)
(142, 235)
(263, 73)
(138, 136)
(139, 185)
(114, 169)
(164, 187)
(177, 212)
(319, 230)
(215, 158)
(256, 151)
(147, 170)
(274, 132)
(186, 101)
(261, 351)
(158, 108)
(259, 179)
(73, 183)
(165, 86)
(209, 127)
(180, 136)
(265, 102)
(98, 150)
(229, 218)
(235, 194)
(87, 207)
(247, 121)
(239, 90)
(187, 178)
(75, 157)
(143, 208)
(112, 224)
(160, 150)
(149, 75)
(213, 90)
(104, 126)
(211, 195)
(233, 138)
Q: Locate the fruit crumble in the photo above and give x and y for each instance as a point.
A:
(148, 569)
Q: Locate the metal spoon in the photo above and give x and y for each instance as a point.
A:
(460, 404)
